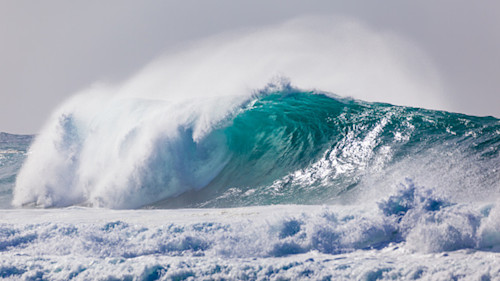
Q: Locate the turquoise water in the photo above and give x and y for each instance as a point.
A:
(309, 148)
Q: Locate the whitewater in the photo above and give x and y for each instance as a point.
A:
(275, 155)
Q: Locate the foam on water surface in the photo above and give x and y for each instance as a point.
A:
(411, 234)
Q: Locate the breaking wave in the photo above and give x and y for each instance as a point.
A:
(281, 146)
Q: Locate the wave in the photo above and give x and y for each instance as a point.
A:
(282, 145)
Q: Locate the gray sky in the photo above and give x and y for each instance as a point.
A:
(51, 49)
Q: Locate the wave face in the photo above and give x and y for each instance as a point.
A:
(281, 146)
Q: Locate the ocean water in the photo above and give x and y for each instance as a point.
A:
(284, 184)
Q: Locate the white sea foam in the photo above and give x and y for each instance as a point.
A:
(411, 234)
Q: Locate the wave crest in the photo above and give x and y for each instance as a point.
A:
(280, 146)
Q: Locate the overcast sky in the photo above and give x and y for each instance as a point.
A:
(51, 49)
